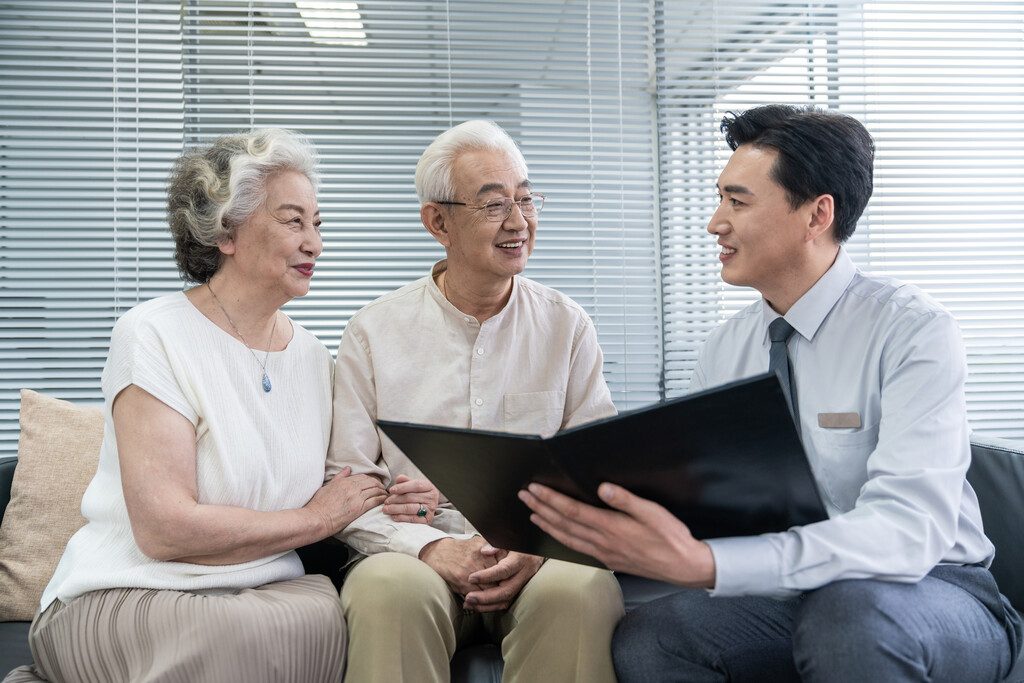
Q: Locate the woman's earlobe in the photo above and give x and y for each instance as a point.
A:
(226, 245)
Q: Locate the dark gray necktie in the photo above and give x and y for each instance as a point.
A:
(778, 360)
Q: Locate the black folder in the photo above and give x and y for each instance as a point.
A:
(727, 461)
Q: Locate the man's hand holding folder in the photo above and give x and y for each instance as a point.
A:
(636, 535)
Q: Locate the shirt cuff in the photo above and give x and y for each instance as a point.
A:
(748, 565)
(410, 539)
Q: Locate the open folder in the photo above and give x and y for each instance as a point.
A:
(726, 461)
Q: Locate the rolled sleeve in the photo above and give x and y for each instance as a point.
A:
(374, 532)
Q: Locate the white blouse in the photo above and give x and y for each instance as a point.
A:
(254, 449)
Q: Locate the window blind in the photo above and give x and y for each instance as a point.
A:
(110, 92)
(569, 81)
(940, 87)
(615, 103)
(91, 118)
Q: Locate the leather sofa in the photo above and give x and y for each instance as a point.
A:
(997, 474)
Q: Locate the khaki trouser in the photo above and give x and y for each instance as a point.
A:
(405, 623)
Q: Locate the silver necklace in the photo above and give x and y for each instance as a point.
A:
(266, 357)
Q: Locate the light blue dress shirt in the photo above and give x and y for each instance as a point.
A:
(894, 487)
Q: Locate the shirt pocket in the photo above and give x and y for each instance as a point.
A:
(535, 412)
(841, 466)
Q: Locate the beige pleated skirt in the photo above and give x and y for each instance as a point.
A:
(291, 631)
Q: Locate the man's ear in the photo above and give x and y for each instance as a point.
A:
(822, 216)
(435, 220)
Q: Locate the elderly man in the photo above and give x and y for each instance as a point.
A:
(894, 585)
(471, 345)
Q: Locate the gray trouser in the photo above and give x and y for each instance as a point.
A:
(951, 626)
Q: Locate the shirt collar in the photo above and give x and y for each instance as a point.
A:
(442, 301)
(435, 291)
(810, 310)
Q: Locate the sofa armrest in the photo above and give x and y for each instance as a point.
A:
(6, 479)
(997, 476)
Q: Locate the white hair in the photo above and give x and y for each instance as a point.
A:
(434, 169)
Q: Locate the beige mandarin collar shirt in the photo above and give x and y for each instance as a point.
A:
(411, 356)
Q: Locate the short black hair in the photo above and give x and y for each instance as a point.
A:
(819, 152)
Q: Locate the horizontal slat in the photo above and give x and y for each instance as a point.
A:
(83, 233)
(100, 244)
(939, 86)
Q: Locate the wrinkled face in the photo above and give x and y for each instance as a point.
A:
(276, 248)
(479, 249)
(763, 239)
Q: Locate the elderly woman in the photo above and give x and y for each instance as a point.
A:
(218, 415)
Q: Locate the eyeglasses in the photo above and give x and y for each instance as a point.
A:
(498, 210)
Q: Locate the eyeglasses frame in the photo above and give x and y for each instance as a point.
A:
(513, 202)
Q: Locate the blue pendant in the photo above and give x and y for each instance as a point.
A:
(266, 382)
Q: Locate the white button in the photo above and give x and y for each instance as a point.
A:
(479, 401)
(468, 319)
(479, 352)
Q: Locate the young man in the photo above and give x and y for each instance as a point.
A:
(894, 585)
(472, 344)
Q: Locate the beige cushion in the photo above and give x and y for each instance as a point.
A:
(58, 449)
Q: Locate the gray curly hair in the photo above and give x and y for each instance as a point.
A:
(213, 189)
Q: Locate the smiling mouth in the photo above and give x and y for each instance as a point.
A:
(510, 245)
(726, 251)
